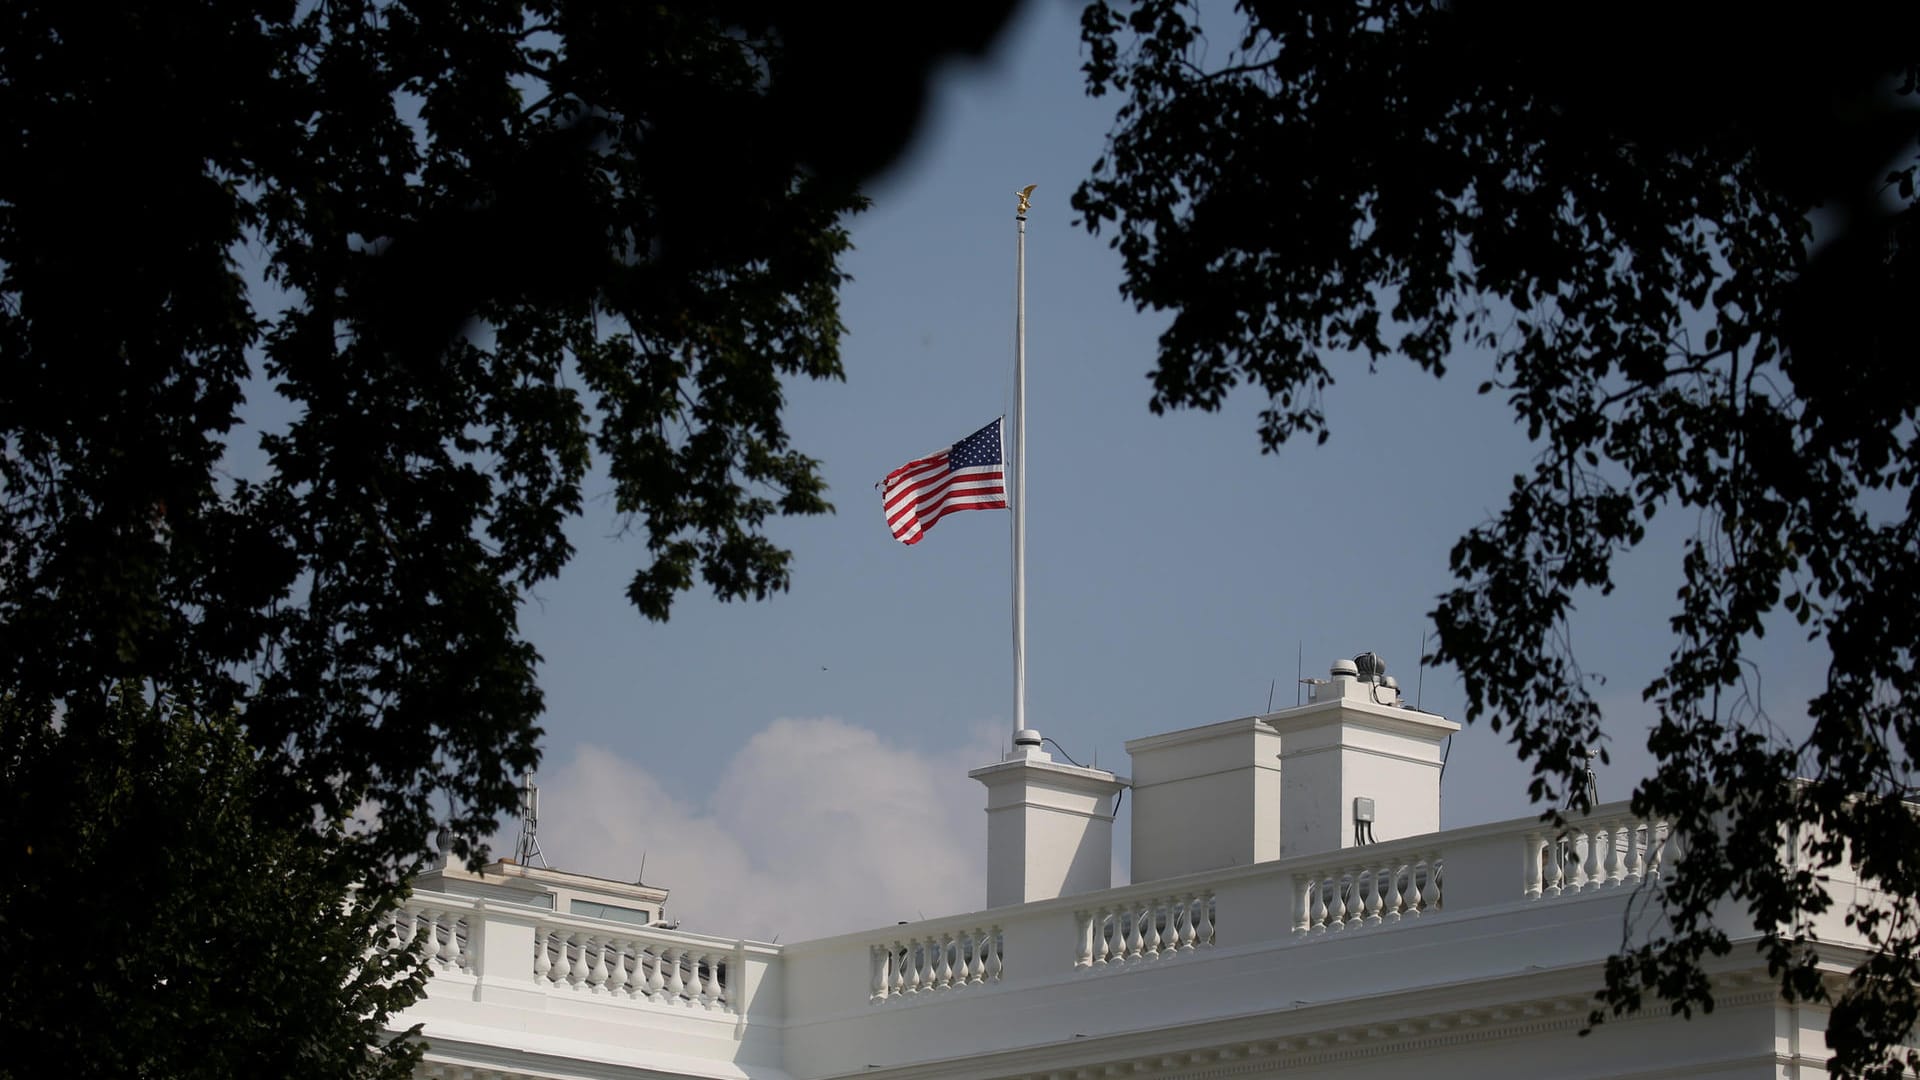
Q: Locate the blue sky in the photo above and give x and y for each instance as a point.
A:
(753, 750)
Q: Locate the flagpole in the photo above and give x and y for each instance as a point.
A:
(1020, 730)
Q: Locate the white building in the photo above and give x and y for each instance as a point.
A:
(1297, 912)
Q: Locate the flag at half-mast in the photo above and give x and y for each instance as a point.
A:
(969, 475)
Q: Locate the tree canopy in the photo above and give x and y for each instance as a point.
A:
(430, 259)
(433, 258)
(1688, 238)
(153, 924)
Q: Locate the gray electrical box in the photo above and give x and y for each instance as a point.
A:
(1362, 808)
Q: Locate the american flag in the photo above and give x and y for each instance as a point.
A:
(969, 475)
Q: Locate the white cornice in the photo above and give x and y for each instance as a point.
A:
(1312, 1034)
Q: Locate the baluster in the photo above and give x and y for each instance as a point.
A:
(1395, 903)
(921, 975)
(946, 947)
(694, 971)
(620, 969)
(722, 996)
(1182, 915)
(672, 984)
(634, 965)
(1085, 919)
(448, 950)
(542, 963)
(648, 973)
(1372, 875)
(1430, 892)
(1636, 861)
(1317, 897)
(1340, 904)
(1552, 872)
(592, 949)
(896, 969)
(689, 968)
(1599, 841)
(993, 962)
(1593, 877)
(1204, 935)
(1150, 934)
(581, 966)
(606, 953)
(1616, 863)
(977, 971)
(709, 981)
(1533, 865)
(877, 974)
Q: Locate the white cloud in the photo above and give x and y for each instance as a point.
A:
(816, 827)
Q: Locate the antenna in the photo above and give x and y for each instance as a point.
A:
(528, 847)
(1271, 683)
(1420, 681)
(1299, 668)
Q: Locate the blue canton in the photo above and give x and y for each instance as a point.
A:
(980, 448)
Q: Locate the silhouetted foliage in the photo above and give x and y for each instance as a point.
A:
(428, 259)
(155, 925)
(1690, 239)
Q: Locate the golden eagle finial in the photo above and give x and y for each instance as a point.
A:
(1025, 194)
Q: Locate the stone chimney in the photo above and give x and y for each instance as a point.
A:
(1352, 766)
(1049, 826)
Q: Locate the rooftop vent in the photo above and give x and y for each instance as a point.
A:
(1370, 667)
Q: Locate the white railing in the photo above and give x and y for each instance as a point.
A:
(1148, 928)
(1605, 851)
(506, 949)
(1362, 891)
(632, 966)
(444, 931)
(912, 966)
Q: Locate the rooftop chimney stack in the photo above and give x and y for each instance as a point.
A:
(1352, 766)
(1049, 826)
